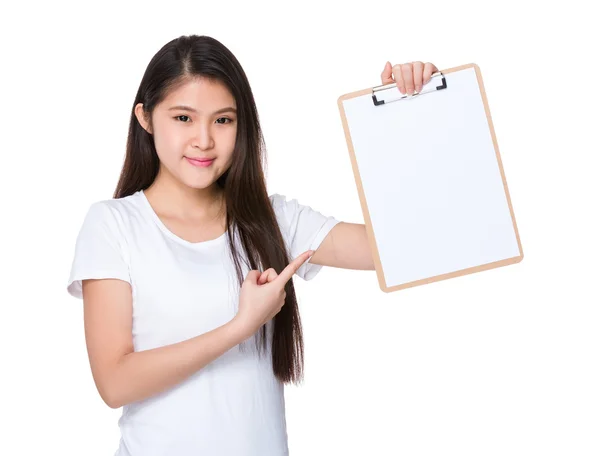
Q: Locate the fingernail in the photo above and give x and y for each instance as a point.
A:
(419, 88)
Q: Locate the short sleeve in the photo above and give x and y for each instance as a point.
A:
(99, 249)
(303, 229)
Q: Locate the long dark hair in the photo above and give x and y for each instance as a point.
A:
(247, 201)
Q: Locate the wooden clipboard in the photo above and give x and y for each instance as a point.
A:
(406, 155)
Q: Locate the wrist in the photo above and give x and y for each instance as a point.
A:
(239, 329)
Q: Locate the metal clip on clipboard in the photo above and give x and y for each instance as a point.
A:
(432, 86)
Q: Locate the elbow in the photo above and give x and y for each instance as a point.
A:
(109, 395)
(113, 404)
(110, 387)
(110, 399)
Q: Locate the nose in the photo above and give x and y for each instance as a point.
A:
(203, 137)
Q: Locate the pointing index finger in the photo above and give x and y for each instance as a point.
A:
(291, 268)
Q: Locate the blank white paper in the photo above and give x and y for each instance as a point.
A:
(431, 180)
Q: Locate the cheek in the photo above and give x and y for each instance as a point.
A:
(168, 145)
(227, 159)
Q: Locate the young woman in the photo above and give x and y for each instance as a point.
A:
(169, 268)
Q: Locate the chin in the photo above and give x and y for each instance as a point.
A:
(200, 185)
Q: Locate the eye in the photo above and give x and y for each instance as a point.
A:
(187, 117)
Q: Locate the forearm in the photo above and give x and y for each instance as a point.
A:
(139, 375)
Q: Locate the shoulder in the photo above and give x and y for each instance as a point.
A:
(293, 215)
(117, 208)
(277, 200)
(283, 204)
(285, 208)
(110, 215)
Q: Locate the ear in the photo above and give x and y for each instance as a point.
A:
(139, 113)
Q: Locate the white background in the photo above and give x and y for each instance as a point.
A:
(500, 362)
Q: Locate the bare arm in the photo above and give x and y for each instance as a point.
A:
(345, 246)
(142, 374)
(123, 376)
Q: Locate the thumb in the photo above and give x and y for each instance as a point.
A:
(263, 278)
(386, 75)
(252, 276)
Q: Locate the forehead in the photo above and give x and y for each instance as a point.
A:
(202, 94)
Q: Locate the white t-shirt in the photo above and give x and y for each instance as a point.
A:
(234, 406)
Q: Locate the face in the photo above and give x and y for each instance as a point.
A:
(193, 122)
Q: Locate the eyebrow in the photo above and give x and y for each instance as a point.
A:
(187, 108)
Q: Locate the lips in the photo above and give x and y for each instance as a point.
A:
(203, 162)
(201, 159)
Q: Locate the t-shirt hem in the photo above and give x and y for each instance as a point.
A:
(311, 270)
(74, 286)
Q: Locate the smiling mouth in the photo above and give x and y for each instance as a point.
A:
(203, 162)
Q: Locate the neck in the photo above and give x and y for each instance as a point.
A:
(177, 200)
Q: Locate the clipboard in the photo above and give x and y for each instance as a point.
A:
(431, 184)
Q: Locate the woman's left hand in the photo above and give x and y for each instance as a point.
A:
(409, 77)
